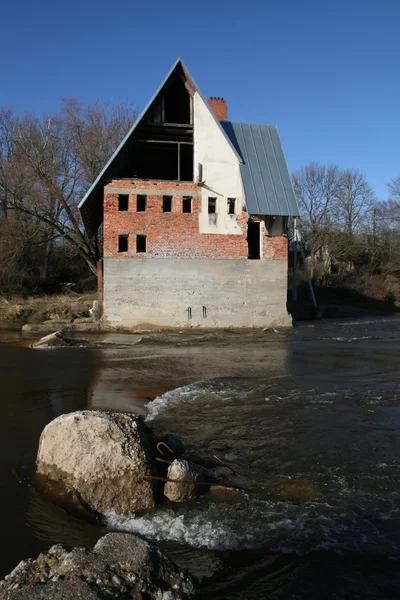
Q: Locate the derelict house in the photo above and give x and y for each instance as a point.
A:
(194, 211)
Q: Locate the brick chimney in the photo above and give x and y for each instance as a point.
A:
(219, 108)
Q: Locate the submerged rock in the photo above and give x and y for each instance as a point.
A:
(57, 338)
(187, 481)
(120, 566)
(105, 458)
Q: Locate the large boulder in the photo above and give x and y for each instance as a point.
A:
(120, 566)
(186, 481)
(105, 458)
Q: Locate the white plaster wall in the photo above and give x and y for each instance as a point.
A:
(159, 292)
(221, 171)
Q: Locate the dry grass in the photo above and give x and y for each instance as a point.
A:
(47, 299)
(16, 310)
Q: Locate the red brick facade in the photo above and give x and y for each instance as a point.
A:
(219, 108)
(276, 247)
(174, 234)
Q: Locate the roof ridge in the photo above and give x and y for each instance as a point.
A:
(252, 124)
(141, 116)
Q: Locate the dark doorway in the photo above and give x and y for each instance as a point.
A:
(253, 239)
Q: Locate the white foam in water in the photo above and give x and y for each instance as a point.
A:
(281, 527)
(377, 321)
(183, 394)
(192, 392)
(194, 529)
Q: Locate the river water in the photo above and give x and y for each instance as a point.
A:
(308, 418)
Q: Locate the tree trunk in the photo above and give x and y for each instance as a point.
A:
(4, 206)
(47, 252)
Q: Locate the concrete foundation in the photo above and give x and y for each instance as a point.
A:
(195, 293)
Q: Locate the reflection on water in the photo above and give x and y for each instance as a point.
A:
(308, 417)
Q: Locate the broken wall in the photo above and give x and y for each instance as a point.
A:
(177, 234)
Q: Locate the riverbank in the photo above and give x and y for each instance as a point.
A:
(62, 308)
(340, 301)
(74, 313)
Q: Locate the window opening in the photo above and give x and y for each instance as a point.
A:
(122, 243)
(141, 243)
(253, 239)
(141, 202)
(231, 206)
(172, 161)
(177, 105)
(187, 204)
(212, 206)
(123, 202)
(167, 203)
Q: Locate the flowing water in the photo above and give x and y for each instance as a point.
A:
(308, 418)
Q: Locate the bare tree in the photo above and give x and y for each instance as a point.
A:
(388, 234)
(355, 201)
(394, 188)
(7, 125)
(316, 188)
(47, 164)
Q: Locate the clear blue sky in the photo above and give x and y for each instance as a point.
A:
(326, 72)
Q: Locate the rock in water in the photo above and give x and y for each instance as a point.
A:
(120, 566)
(185, 479)
(54, 339)
(103, 457)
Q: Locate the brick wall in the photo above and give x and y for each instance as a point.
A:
(173, 234)
(276, 247)
(219, 108)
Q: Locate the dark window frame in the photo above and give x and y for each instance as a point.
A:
(187, 204)
(123, 243)
(123, 202)
(141, 203)
(212, 206)
(141, 244)
(167, 204)
(231, 206)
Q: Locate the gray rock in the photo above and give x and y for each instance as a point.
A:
(53, 339)
(73, 589)
(94, 311)
(87, 327)
(83, 320)
(103, 457)
(52, 325)
(61, 320)
(80, 309)
(185, 479)
(119, 566)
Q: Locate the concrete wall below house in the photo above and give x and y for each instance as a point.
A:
(160, 292)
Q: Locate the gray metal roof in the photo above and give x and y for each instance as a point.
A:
(266, 181)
